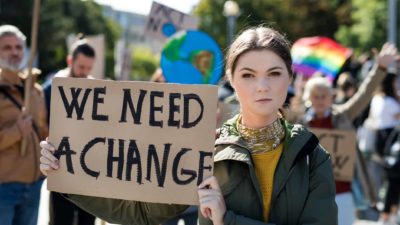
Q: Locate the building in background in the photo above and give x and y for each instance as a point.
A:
(133, 26)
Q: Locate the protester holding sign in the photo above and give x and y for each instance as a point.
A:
(20, 178)
(266, 170)
(322, 113)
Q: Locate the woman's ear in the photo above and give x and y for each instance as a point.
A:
(69, 60)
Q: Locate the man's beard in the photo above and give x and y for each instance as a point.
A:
(4, 64)
(74, 75)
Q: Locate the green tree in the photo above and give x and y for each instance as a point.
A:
(368, 25)
(58, 19)
(144, 64)
(296, 18)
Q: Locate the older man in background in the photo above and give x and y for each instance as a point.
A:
(20, 177)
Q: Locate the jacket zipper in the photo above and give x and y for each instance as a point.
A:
(256, 186)
(281, 187)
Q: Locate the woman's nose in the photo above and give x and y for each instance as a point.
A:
(263, 84)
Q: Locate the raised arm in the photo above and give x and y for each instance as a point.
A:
(360, 100)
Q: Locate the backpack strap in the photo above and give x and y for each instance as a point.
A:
(10, 97)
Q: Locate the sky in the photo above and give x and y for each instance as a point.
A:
(143, 6)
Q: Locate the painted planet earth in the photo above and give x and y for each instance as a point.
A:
(192, 57)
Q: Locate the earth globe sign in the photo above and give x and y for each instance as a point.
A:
(191, 57)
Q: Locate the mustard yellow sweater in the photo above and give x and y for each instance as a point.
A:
(265, 165)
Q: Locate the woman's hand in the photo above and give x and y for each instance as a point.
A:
(48, 161)
(212, 203)
(386, 56)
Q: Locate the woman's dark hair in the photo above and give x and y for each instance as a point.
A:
(82, 47)
(387, 86)
(258, 38)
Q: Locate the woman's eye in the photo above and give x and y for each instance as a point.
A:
(275, 73)
(247, 75)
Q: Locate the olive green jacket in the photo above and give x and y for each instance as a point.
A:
(303, 193)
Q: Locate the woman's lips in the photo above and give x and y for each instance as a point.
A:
(263, 100)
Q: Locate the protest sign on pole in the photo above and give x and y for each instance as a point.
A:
(164, 21)
(341, 145)
(98, 43)
(132, 140)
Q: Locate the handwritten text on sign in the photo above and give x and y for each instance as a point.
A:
(342, 147)
(132, 140)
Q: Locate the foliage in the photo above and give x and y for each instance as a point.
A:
(296, 18)
(368, 28)
(144, 64)
(58, 19)
(359, 24)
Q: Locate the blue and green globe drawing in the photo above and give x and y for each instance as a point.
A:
(192, 57)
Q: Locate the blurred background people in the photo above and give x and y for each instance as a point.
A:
(322, 113)
(385, 116)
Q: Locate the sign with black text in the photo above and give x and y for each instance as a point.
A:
(341, 145)
(132, 140)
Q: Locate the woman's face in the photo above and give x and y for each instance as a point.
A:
(261, 81)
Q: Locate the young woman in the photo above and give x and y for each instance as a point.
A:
(266, 170)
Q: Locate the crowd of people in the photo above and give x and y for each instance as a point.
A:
(268, 167)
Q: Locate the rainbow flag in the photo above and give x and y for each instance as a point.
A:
(318, 54)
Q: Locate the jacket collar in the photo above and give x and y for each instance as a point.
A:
(229, 145)
(10, 78)
(310, 113)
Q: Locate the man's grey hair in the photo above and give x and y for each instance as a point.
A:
(317, 82)
(6, 30)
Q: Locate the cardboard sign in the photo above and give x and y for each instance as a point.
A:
(342, 147)
(98, 43)
(132, 140)
(163, 22)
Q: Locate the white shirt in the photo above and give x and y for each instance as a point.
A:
(383, 112)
